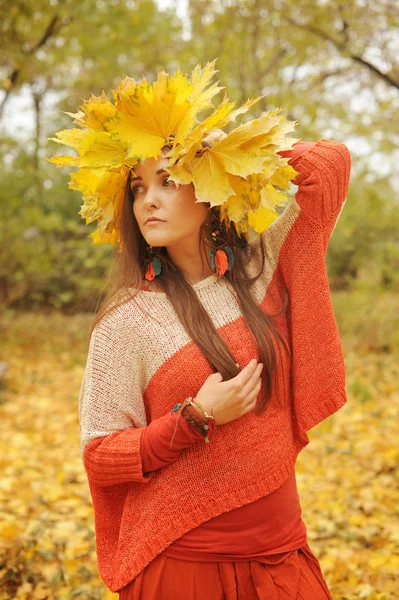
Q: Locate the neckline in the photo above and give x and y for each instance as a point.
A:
(196, 286)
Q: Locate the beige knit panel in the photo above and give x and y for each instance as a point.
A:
(110, 397)
(273, 238)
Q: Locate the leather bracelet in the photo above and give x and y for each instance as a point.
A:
(192, 418)
(199, 408)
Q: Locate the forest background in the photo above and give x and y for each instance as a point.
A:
(334, 66)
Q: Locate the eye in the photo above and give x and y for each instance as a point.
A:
(166, 180)
(135, 188)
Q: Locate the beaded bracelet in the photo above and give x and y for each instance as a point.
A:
(199, 425)
(191, 416)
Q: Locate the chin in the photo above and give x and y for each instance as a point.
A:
(157, 240)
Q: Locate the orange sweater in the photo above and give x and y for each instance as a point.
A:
(139, 365)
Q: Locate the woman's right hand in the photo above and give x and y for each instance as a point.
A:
(234, 398)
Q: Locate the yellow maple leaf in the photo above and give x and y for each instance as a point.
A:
(219, 118)
(103, 196)
(70, 137)
(95, 112)
(236, 204)
(153, 112)
(64, 161)
(246, 193)
(192, 142)
(241, 151)
(96, 149)
(101, 237)
(91, 209)
(272, 197)
(104, 202)
(210, 180)
(270, 165)
(200, 98)
(180, 174)
(78, 117)
(261, 218)
(99, 150)
(278, 134)
(282, 176)
(231, 117)
(84, 180)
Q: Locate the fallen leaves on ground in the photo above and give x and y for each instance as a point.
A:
(347, 475)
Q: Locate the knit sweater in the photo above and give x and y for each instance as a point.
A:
(141, 362)
(270, 525)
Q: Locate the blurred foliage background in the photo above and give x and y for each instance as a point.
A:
(335, 74)
(334, 66)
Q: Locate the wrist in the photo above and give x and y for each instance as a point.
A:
(194, 419)
(195, 414)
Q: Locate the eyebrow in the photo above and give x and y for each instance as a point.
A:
(158, 173)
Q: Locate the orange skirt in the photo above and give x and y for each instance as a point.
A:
(294, 575)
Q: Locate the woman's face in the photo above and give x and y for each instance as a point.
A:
(155, 196)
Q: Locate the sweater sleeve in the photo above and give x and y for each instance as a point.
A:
(323, 179)
(153, 451)
(303, 233)
(112, 415)
(156, 440)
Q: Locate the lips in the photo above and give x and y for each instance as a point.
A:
(153, 220)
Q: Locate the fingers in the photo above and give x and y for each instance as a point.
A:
(253, 397)
(247, 389)
(252, 400)
(256, 390)
(245, 375)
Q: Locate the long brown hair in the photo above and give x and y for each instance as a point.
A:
(127, 269)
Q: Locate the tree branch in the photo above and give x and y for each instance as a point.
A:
(342, 47)
(52, 29)
(275, 59)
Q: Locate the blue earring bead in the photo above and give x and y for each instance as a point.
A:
(212, 257)
(156, 265)
(230, 256)
(176, 407)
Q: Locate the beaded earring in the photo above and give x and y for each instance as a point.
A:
(222, 258)
(154, 265)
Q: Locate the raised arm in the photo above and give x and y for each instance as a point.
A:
(324, 169)
(117, 446)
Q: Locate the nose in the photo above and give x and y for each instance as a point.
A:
(151, 197)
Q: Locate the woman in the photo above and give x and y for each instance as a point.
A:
(203, 378)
